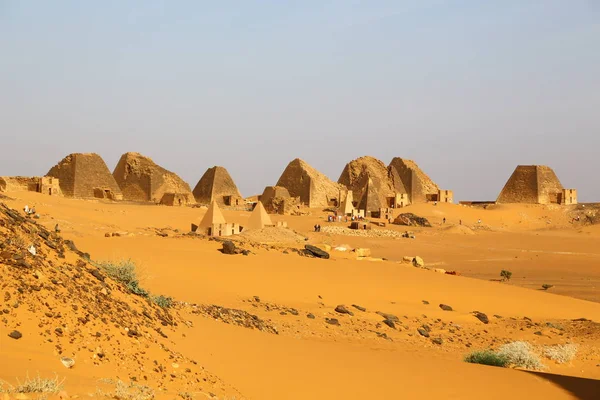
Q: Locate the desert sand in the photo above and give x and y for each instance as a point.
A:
(290, 350)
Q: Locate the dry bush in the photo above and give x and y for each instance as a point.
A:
(561, 353)
(124, 391)
(36, 384)
(521, 354)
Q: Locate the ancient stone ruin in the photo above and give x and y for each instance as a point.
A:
(536, 184)
(416, 184)
(141, 179)
(214, 224)
(312, 187)
(277, 200)
(85, 175)
(259, 218)
(216, 185)
(45, 184)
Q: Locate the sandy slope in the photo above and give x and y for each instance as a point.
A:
(312, 359)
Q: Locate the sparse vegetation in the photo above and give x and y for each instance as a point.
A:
(561, 353)
(124, 272)
(163, 301)
(545, 286)
(520, 354)
(124, 391)
(186, 395)
(487, 357)
(505, 275)
(36, 384)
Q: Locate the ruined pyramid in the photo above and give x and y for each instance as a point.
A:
(368, 174)
(312, 187)
(85, 175)
(419, 187)
(140, 179)
(533, 184)
(216, 185)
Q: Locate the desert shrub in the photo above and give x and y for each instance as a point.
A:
(561, 353)
(545, 286)
(163, 301)
(520, 354)
(124, 272)
(487, 357)
(505, 275)
(33, 385)
(124, 391)
(186, 395)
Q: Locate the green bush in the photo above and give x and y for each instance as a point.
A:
(163, 301)
(487, 357)
(505, 275)
(124, 272)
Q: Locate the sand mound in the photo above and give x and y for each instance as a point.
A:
(270, 235)
(459, 230)
(82, 314)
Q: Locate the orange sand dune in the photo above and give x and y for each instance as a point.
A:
(361, 357)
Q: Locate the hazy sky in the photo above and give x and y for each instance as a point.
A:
(468, 89)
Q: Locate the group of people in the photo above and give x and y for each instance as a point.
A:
(317, 228)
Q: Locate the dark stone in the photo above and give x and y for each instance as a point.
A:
(71, 245)
(246, 252)
(332, 321)
(311, 316)
(425, 302)
(15, 335)
(426, 327)
(391, 317)
(98, 275)
(58, 331)
(132, 333)
(437, 340)
(359, 308)
(445, 307)
(482, 317)
(316, 252)
(228, 247)
(389, 323)
(343, 310)
(293, 311)
(423, 332)
(50, 244)
(256, 299)
(580, 320)
(539, 333)
(497, 316)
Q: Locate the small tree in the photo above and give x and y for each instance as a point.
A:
(505, 275)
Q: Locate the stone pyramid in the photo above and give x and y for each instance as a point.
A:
(413, 180)
(216, 185)
(213, 216)
(533, 184)
(259, 217)
(368, 174)
(312, 187)
(85, 175)
(347, 205)
(140, 179)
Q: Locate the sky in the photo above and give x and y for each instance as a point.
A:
(467, 89)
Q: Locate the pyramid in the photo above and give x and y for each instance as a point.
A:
(347, 205)
(371, 198)
(140, 179)
(216, 185)
(85, 175)
(312, 187)
(416, 183)
(368, 174)
(259, 217)
(532, 184)
(213, 216)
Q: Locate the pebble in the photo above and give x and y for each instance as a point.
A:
(423, 332)
(389, 323)
(445, 307)
(359, 308)
(311, 316)
(332, 321)
(343, 310)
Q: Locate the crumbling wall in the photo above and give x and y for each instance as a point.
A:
(19, 183)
